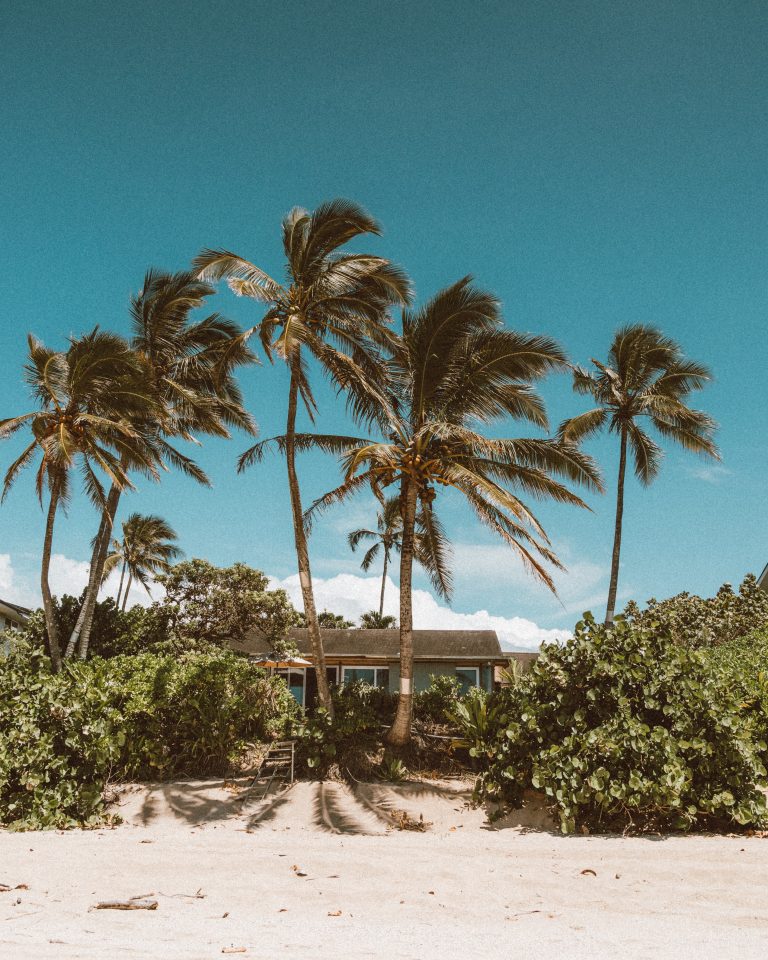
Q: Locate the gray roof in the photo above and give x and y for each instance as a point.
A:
(23, 612)
(377, 644)
(762, 580)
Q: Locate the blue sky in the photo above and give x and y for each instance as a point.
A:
(593, 164)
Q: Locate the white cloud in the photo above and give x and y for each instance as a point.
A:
(714, 473)
(580, 587)
(351, 596)
(65, 576)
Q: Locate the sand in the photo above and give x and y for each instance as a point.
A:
(274, 878)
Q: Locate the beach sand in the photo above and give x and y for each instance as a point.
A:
(274, 878)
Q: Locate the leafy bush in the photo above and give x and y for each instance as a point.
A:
(59, 738)
(741, 666)
(63, 737)
(621, 728)
(436, 703)
(360, 711)
(697, 622)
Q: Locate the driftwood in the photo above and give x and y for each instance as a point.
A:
(126, 905)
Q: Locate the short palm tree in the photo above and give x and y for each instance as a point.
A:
(453, 370)
(190, 369)
(88, 396)
(388, 539)
(645, 381)
(147, 548)
(332, 307)
(374, 620)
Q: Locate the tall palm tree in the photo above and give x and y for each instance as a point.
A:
(146, 549)
(332, 307)
(388, 540)
(454, 370)
(645, 381)
(87, 397)
(190, 369)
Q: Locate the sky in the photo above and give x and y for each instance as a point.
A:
(591, 163)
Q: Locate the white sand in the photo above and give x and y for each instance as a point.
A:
(459, 890)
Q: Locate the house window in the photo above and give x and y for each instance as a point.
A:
(296, 681)
(374, 676)
(468, 677)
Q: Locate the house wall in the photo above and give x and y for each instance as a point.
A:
(423, 671)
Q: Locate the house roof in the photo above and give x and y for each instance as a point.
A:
(21, 612)
(385, 644)
(762, 580)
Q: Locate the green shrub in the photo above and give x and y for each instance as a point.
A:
(360, 712)
(436, 703)
(622, 728)
(63, 737)
(698, 622)
(741, 666)
(59, 738)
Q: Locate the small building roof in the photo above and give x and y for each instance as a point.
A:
(762, 580)
(13, 608)
(385, 644)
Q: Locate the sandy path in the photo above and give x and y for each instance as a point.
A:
(447, 893)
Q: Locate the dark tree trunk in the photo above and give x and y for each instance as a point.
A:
(302, 552)
(617, 533)
(82, 630)
(383, 583)
(400, 731)
(127, 591)
(120, 588)
(50, 614)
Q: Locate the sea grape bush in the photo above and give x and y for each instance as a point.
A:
(741, 666)
(64, 737)
(622, 729)
(698, 622)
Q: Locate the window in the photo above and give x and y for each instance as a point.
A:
(375, 676)
(297, 682)
(468, 677)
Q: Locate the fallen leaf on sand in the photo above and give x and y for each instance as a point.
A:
(588, 872)
(334, 913)
(233, 949)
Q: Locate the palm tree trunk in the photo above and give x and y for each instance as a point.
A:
(400, 731)
(50, 614)
(617, 532)
(302, 552)
(82, 629)
(120, 588)
(127, 591)
(383, 583)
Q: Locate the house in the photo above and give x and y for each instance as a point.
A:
(12, 615)
(762, 580)
(374, 657)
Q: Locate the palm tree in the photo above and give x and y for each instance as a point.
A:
(87, 398)
(453, 370)
(190, 369)
(146, 549)
(388, 539)
(374, 620)
(332, 307)
(646, 379)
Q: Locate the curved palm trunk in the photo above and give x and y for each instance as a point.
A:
(82, 629)
(383, 582)
(617, 533)
(302, 553)
(50, 614)
(127, 591)
(120, 588)
(400, 731)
